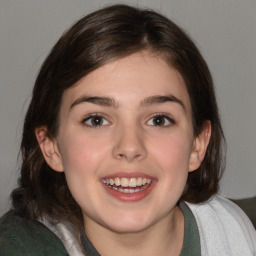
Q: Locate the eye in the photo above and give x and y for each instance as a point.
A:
(95, 120)
(160, 120)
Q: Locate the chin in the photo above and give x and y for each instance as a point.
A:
(131, 223)
(128, 227)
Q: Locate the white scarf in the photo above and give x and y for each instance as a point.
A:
(224, 229)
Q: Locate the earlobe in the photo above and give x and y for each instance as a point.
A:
(49, 149)
(199, 147)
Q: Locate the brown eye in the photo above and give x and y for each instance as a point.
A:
(95, 121)
(160, 120)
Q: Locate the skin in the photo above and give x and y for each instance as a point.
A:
(128, 141)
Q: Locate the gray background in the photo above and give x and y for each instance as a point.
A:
(224, 30)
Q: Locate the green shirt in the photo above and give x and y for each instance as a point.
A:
(24, 237)
(191, 244)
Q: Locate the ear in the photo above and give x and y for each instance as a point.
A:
(199, 147)
(49, 149)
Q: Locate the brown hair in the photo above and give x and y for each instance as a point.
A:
(112, 32)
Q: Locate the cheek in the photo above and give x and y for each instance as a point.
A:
(79, 149)
(171, 156)
(81, 158)
(173, 153)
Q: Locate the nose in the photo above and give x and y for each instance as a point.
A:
(129, 144)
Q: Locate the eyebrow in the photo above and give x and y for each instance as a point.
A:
(111, 102)
(158, 99)
(101, 101)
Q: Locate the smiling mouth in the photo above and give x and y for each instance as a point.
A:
(128, 185)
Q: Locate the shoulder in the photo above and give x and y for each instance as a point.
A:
(21, 236)
(224, 227)
(222, 208)
(248, 205)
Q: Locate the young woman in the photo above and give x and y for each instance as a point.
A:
(122, 148)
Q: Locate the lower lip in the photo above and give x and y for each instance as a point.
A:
(129, 197)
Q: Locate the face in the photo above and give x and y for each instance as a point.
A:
(126, 143)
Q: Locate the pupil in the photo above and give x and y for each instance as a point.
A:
(97, 121)
(158, 121)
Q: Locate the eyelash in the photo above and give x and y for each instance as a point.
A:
(164, 116)
(90, 118)
(103, 120)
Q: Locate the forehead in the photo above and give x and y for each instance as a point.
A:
(134, 77)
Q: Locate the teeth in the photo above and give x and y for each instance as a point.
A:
(129, 190)
(124, 182)
(139, 181)
(117, 182)
(133, 183)
(127, 182)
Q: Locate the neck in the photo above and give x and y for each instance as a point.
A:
(162, 238)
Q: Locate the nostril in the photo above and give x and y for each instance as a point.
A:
(128, 156)
(129, 148)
